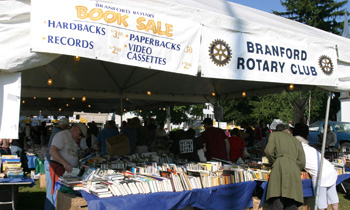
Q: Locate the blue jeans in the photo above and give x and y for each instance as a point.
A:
(15, 150)
(50, 199)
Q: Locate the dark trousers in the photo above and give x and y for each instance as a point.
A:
(281, 203)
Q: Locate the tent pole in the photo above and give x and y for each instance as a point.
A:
(323, 148)
(168, 118)
(308, 120)
(121, 110)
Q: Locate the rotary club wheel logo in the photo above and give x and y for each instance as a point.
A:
(326, 65)
(220, 52)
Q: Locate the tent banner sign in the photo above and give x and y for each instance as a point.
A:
(119, 32)
(229, 54)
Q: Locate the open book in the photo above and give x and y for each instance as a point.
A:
(74, 172)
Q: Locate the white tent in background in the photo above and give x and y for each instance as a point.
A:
(274, 123)
(181, 51)
(344, 96)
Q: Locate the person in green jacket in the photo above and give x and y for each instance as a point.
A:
(285, 152)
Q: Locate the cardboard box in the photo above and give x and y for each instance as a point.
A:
(65, 201)
(118, 145)
(42, 180)
(266, 206)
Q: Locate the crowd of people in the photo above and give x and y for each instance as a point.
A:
(286, 148)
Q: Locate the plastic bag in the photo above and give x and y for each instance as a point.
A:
(201, 155)
(245, 153)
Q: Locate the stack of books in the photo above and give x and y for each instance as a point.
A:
(7, 159)
(73, 182)
(339, 165)
(155, 183)
(16, 172)
(340, 170)
(165, 177)
(261, 175)
(11, 166)
(100, 189)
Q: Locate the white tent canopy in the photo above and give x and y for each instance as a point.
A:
(208, 46)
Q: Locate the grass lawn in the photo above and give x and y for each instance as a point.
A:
(33, 198)
(344, 201)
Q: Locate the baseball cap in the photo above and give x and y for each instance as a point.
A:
(207, 121)
(83, 128)
(63, 121)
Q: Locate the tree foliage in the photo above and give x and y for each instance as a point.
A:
(250, 109)
(321, 14)
(147, 114)
(279, 106)
(237, 109)
(178, 114)
(273, 106)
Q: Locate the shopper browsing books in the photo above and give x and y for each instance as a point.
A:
(215, 141)
(301, 128)
(286, 153)
(64, 151)
(327, 191)
(109, 131)
(129, 130)
(237, 145)
(188, 146)
(142, 135)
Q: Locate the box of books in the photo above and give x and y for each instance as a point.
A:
(118, 145)
(42, 180)
(65, 201)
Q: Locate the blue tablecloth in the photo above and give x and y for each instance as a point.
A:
(31, 161)
(308, 190)
(232, 196)
(18, 180)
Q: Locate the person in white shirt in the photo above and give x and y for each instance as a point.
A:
(327, 191)
(64, 152)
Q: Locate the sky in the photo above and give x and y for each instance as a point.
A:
(269, 5)
(265, 5)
